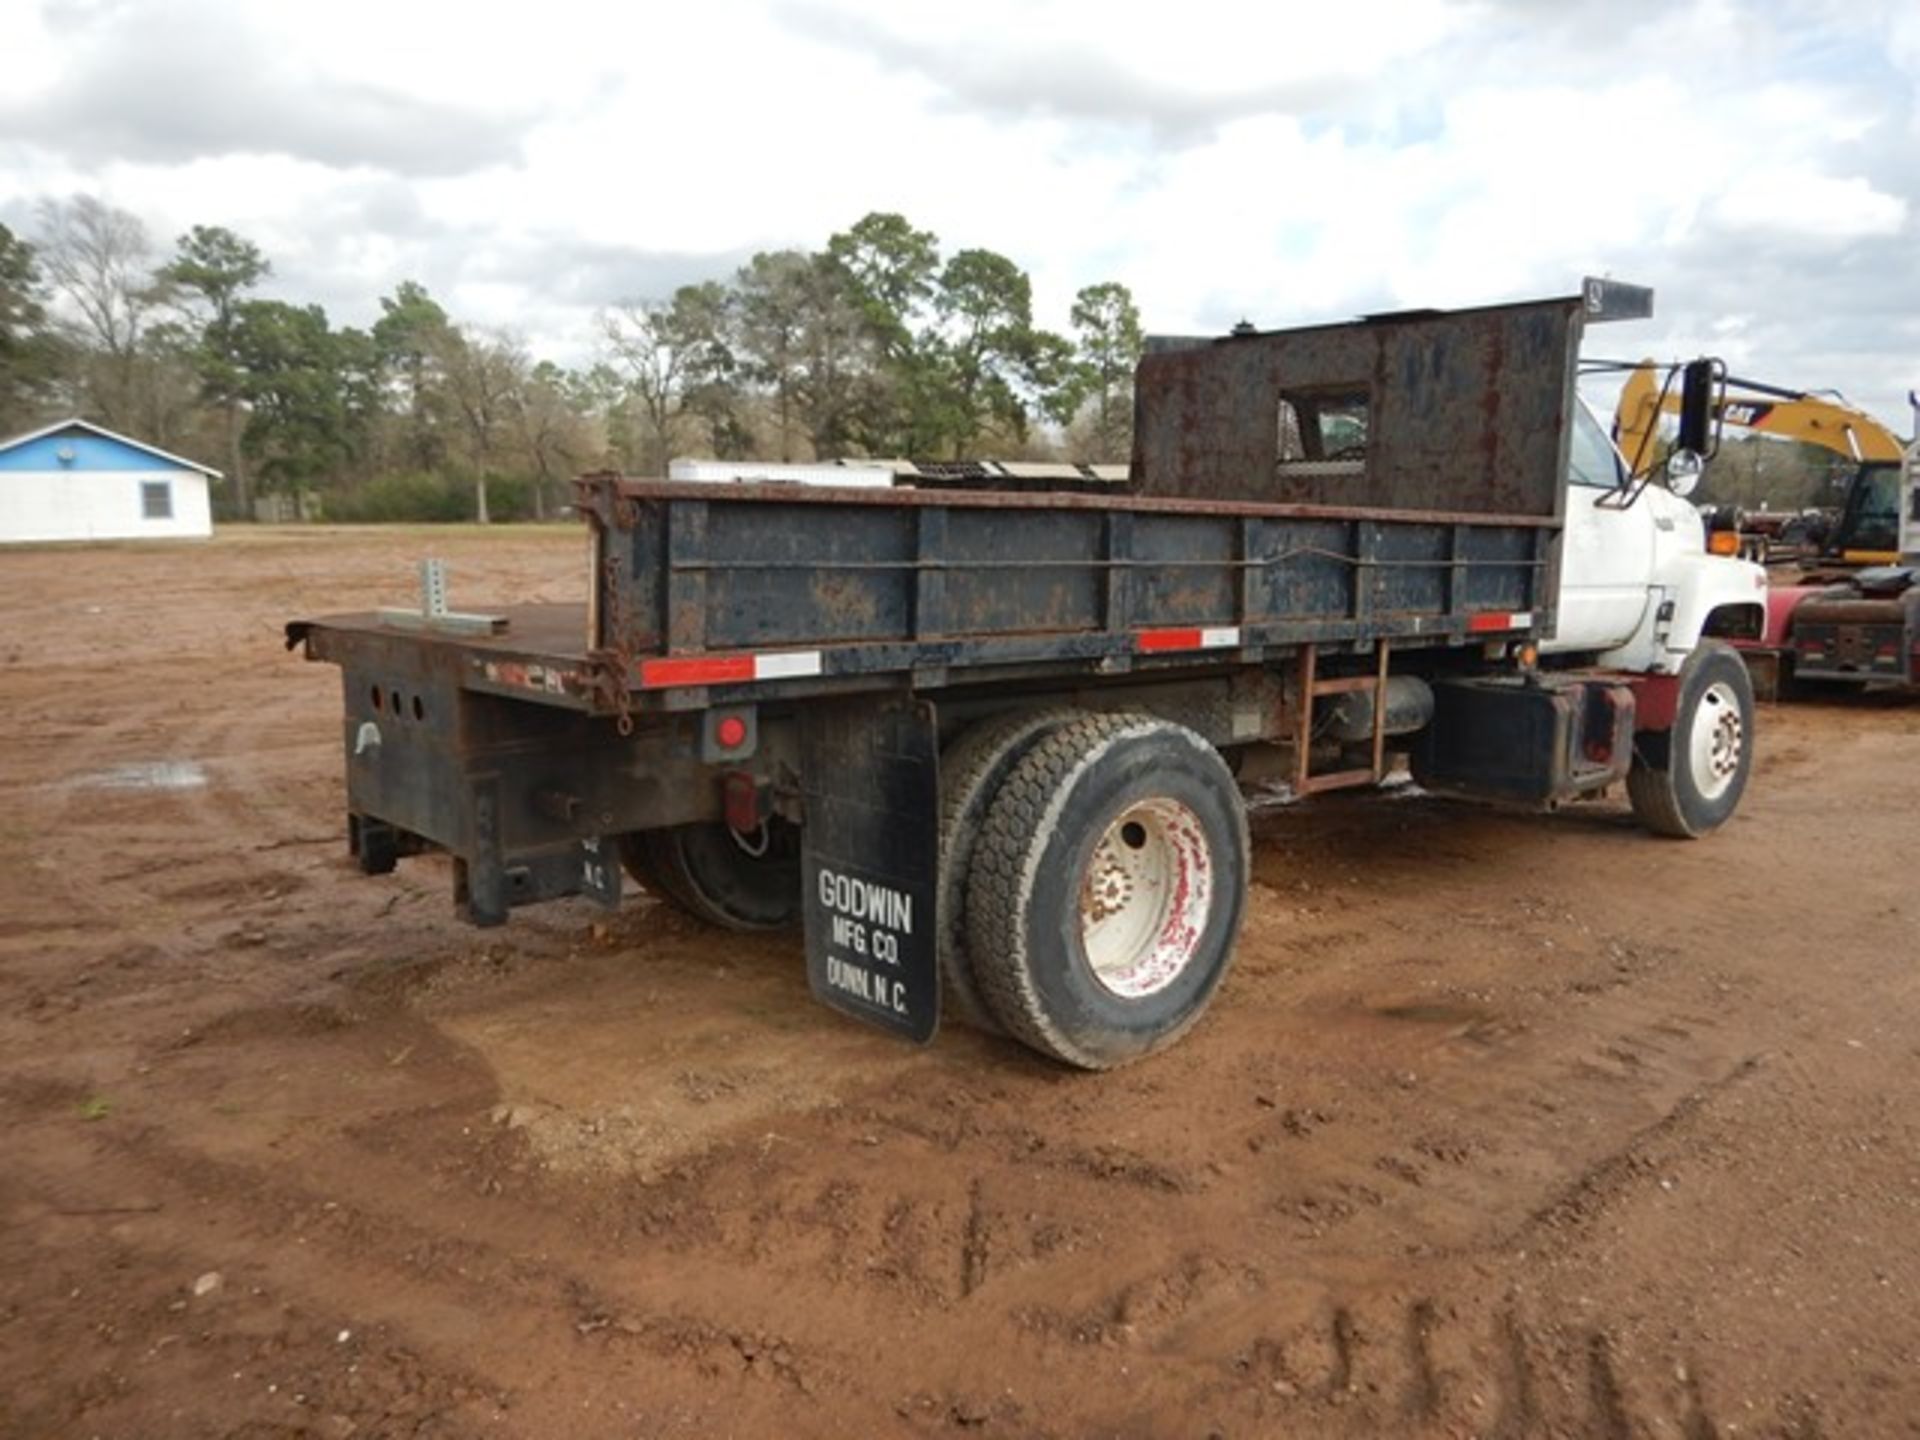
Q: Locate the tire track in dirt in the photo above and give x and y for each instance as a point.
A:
(1145, 1305)
(869, 1219)
(427, 1285)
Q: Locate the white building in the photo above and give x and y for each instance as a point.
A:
(77, 481)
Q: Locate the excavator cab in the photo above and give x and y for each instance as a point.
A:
(1868, 531)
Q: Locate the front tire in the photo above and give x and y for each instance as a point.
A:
(1107, 888)
(1688, 780)
(719, 876)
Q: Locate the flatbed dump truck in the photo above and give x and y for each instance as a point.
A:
(984, 745)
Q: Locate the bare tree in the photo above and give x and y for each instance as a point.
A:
(671, 349)
(547, 427)
(642, 338)
(98, 260)
(482, 373)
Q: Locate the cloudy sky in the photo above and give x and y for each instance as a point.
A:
(1757, 163)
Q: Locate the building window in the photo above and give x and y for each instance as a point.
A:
(156, 500)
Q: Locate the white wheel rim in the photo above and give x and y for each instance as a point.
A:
(1145, 898)
(1717, 745)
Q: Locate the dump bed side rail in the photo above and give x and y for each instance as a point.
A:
(704, 587)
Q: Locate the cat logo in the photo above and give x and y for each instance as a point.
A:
(1745, 412)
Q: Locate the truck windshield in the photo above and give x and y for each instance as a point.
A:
(1593, 461)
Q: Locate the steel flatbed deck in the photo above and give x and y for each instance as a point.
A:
(701, 592)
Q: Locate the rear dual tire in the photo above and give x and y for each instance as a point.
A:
(1106, 888)
(719, 875)
(1092, 883)
(972, 770)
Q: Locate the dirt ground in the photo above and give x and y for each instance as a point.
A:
(1502, 1126)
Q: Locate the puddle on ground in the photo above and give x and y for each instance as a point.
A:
(146, 775)
(1435, 1013)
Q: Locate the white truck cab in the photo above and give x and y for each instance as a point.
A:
(1638, 588)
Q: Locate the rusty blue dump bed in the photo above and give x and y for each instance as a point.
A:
(1397, 478)
(700, 587)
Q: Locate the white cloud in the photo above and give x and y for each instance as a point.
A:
(32, 51)
(1796, 201)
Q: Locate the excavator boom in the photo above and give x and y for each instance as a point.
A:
(1820, 420)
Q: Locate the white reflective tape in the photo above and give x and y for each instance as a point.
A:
(1520, 620)
(789, 666)
(1220, 637)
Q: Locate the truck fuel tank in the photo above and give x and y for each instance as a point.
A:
(1533, 740)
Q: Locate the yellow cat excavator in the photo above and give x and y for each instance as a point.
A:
(1824, 420)
(1868, 529)
(1852, 614)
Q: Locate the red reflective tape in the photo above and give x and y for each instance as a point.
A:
(1498, 620)
(1169, 639)
(1202, 637)
(696, 670)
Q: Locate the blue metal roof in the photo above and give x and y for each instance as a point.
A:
(85, 448)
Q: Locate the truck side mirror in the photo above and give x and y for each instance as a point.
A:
(1700, 385)
(1700, 380)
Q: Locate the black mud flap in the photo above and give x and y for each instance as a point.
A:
(869, 855)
